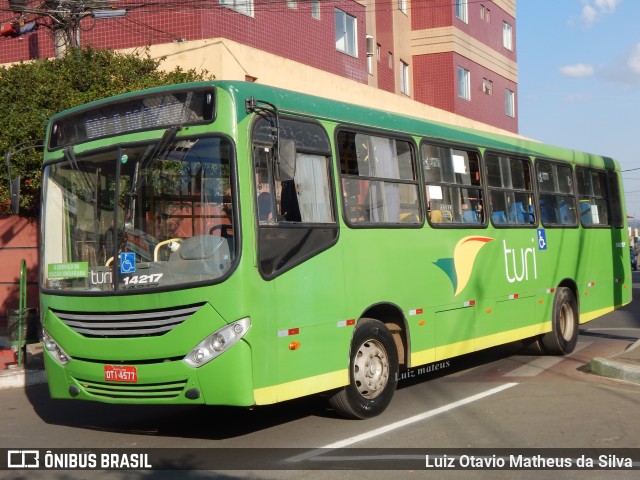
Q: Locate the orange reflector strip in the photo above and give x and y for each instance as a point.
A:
(286, 333)
(346, 323)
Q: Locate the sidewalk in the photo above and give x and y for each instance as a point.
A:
(623, 366)
(32, 371)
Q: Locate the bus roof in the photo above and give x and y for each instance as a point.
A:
(288, 101)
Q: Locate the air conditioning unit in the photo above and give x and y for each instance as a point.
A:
(371, 46)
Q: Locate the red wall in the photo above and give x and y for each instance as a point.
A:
(18, 240)
(384, 37)
(275, 28)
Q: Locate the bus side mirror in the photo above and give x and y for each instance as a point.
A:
(285, 167)
(14, 191)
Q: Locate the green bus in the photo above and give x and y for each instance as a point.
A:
(229, 243)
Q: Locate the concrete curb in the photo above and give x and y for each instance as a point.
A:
(623, 366)
(606, 367)
(22, 378)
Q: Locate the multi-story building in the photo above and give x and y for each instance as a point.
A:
(458, 56)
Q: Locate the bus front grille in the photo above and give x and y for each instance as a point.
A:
(126, 324)
(133, 391)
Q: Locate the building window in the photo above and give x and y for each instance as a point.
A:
(378, 51)
(485, 14)
(346, 33)
(464, 83)
(404, 78)
(391, 60)
(487, 86)
(292, 3)
(315, 9)
(402, 6)
(509, 103)
(462, 10)
(507, 36)
(241, 6)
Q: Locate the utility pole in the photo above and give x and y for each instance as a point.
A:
(62, 17)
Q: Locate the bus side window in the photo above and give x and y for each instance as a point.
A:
(453, 185)
(511, 190)
(592, 194)
(557, 195)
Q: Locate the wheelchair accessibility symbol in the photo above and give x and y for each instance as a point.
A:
(127, 262)
(542, 239)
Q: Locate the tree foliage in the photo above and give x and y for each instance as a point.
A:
(32, 92)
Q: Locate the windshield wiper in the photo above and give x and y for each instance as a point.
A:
(88, 184)
(151, 155)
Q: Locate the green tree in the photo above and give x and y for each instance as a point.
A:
(31, 92)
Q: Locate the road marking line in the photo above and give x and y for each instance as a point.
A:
(540, 364)
(402, 423)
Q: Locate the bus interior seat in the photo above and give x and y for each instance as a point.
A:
(498, 217)
(470, 217)
(201, 255)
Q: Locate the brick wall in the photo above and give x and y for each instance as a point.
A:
(275, 28)
(18, 241)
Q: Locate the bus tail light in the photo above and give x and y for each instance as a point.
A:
(217, 343)
(56, 352)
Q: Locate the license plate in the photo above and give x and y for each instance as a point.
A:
(118, 373)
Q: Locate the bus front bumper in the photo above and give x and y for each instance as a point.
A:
(226, 380)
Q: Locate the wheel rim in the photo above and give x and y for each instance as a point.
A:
(371, 369)
(566, 321)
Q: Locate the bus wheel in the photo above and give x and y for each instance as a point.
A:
(373, 372)
(562, 338)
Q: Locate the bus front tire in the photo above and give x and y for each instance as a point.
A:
(373, 372)
(562, 338)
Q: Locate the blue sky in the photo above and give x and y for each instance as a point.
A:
(579, 79)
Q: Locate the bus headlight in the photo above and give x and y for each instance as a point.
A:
(218, 342)
(56, 352)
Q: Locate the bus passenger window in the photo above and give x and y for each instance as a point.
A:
(510, 190)
(557, 196)
(379, 181)
(592, 193)
(453, 185)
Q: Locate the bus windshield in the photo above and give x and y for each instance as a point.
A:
(139, 217)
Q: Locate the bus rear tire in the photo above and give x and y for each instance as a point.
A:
(373, 372)
(562, 338)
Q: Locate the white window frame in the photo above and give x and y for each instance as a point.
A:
(244, 7)
(464, 83)
(509, 103)
(346, 33)
(462, 10)
(315, 9)
(404, 78)
(402, 6)
(507, 36)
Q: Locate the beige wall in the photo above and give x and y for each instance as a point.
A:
(228, 60)
(451, 39)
